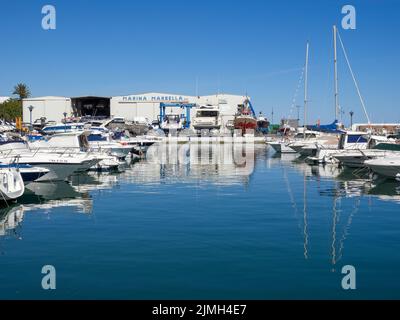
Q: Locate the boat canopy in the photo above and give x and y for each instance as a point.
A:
(327, 128)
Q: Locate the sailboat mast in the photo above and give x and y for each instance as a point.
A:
(336, 73)
(306, 90)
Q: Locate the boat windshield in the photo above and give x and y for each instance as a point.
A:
(172, 117)
(207, 114)
(356, 138)
(83, 142)
(308, 135)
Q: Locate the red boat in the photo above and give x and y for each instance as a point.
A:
(245, 121)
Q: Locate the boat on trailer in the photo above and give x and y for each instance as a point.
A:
(245, 120)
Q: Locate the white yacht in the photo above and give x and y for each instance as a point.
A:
(378, 147)
(282, 146)
(28, 172)
(307, 146)
(102, 142)
(207, 117)
(63, 127)
(104, 153)
(57, 157)
(171, 122)
(387, 167)
(285, 144)
(349, 140)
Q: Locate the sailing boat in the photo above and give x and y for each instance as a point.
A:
(348, 140)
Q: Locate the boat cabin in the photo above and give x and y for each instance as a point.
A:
(353, 140)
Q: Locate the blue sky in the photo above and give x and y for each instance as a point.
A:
(125, 47)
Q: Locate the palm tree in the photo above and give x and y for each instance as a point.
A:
(22, 90)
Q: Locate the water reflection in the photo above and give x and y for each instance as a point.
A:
(224, 164)
(10, 219)
(47, 196)
(220, 164)
(350, 184)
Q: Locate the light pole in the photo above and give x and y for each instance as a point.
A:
(30, 115)
(351, 118)
(272, 115)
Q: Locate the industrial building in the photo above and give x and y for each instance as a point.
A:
(130, 107)
(49, 107)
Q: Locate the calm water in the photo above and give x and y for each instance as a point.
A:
(282, 229)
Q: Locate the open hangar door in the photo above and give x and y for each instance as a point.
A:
(91, 106)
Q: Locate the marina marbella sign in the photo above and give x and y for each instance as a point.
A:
(154, 98)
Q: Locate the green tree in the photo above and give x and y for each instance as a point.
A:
(10, 109)
(22, 90)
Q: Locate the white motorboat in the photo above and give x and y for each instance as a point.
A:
(28, 172)
(63, 128)
(378, 147)
(349, 140)
(102, 142)
(11, 184)
(171, 122)
(281, 146)
(308, 146)
(285, 144)
(387, 167)
(207, 118)
(109, 163)
(140, 144)
(55, 157)
(60, 166)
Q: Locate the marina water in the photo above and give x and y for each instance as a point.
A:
(191, 230)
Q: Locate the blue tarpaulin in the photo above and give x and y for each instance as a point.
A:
(329, 128)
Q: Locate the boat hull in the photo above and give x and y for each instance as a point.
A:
(11, 184)
(61, 171)
(245, 123)
(281, 147)
(390, 169)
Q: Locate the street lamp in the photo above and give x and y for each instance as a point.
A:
(30, 108)
(351, 118)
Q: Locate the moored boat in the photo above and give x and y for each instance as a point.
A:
(11, 184)
(387, 167)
